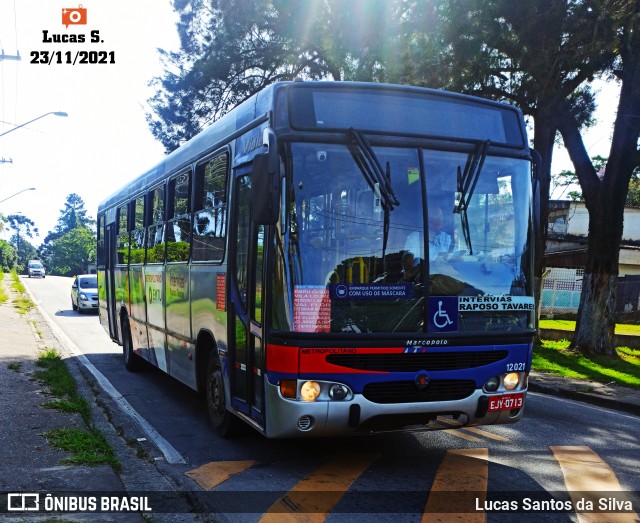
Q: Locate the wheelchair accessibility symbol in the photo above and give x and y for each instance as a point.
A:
(443, 313)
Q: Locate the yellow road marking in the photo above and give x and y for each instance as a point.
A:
(463, 470)
(587, 477)
(458, 434)
(212, 474)
(475, 430)
(487, 434)
(333, 479)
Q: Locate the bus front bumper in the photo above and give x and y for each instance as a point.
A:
(291, 418)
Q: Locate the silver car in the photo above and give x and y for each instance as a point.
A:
(35, 268)
(84, 293)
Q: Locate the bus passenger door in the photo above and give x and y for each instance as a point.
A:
(110, 289)
(246, 354)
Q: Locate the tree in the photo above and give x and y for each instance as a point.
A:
(72, 252)
(540, 55)
(73, 215)
(568, 179)
(231, 50)
(8, 256)
(23, 228)
(605, 196)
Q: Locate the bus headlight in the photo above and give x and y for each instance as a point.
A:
(511, 380)
(310, 391)
(492, 384)
(338, 392)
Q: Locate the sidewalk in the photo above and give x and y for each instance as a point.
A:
(28, 464)
(610, 396)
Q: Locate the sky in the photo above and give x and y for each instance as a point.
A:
(105, 141)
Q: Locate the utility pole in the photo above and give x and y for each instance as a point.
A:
(2, 160)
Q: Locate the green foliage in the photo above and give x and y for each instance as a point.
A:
(72, 252)
(233, 49)
(8, 256)
(86, 447)
(553, 357)
(71, 246)
(73, 215)
(3, 295)
(570, 325)
(177, 251)
(23, 228)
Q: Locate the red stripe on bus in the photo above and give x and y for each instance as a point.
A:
(282, 358)
(315, 360)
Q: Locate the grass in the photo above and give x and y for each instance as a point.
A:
(87, 447)
(15, 366)
(570, 325)
(553, 357)
(54, 373)
(3, 295)
(23, 303)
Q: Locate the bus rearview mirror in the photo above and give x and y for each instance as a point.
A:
(265, 193)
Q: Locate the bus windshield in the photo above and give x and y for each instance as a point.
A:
(450, 256)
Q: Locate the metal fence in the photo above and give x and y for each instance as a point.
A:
(561, 289)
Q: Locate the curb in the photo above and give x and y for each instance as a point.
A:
(585, 397)
(138, 474)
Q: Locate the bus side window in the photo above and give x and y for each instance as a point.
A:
(137, 234)
(100, 258)
(155, 231)
(179, 219)
(123, 234)
(210, 212)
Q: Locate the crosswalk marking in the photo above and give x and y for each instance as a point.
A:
(487, 434)
(460, 484)
(459, 433)
(464, 470)
(333, 478)
(212, 474)
(585, 473)
(462, 435)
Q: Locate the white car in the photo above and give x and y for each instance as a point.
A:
(35, 268)
(84, 293)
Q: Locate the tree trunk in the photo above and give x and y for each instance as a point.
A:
(596, 315)
(543, 142)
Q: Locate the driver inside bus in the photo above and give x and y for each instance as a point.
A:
(439, 240)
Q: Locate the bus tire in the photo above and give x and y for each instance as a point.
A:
(224, 422)
(132, 362)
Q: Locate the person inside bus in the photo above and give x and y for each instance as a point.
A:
(410, 268)
(439, 240)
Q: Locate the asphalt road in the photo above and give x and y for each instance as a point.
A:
(561, 450)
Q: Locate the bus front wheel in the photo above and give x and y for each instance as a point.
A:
(223, 421)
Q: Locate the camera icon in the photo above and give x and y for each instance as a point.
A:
(74, 16)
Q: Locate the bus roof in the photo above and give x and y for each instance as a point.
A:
(308, 102)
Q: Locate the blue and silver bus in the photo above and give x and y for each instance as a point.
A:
(333, 258)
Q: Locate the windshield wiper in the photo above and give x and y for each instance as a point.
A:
(379, 180)
(467, 181)
(374, 174)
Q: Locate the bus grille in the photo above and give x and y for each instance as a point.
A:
(414, 362)
(407, 392)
